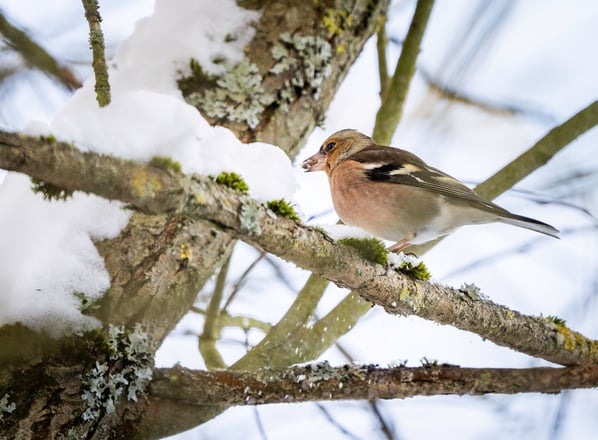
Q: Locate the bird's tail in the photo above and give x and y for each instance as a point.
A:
(530, 223)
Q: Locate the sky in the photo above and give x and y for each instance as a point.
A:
(536, 56)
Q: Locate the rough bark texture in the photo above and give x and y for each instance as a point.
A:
(323, 382)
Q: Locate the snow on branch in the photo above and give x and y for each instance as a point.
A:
(154, 190)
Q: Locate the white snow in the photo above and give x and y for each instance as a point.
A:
(47, 253)
(148, 117)
(47, 250)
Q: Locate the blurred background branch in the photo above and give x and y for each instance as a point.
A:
(34, 55)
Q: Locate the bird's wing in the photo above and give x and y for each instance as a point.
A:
(392, 165)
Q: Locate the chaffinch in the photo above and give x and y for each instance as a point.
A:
(395, 195)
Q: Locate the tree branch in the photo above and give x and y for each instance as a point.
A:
(320, 382)
(211, 328)
(156, 191)
(96, 41)
(381, 44)
(540, 153)
(35, 55)
(391, 108)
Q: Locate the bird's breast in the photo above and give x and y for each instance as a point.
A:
(365, 204)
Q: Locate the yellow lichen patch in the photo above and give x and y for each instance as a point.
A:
(405, 294)
(572, 340)
(415, 300)
(336, 21)
(186, 253)
(200, 199)
(509, 314)
(143, 185)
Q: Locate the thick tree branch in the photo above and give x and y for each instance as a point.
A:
(156, 191)
(322, 382)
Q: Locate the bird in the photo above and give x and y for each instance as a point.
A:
(393, 194)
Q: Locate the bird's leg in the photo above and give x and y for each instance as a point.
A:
(399, 246)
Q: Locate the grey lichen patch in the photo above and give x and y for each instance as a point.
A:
(473, 292)
(249, 217)
(126, 372)
(371, 249)
(319, 372)
(49, 191)
(305, 60)
(239, 95)
(5, 406)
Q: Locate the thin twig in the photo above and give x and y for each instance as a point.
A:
(241, 281)
(521, 249)
(96, 41)
(207, 340)
(387, 430)
(344, 431)
(381, 48)
(260, 425)
(454, 94)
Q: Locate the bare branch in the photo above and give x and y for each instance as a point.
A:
(96, 41)
(391, 108)
(381, 48)
(542, 151)
(210, 334)
(35, 55)
(450, 93)
(321, 382)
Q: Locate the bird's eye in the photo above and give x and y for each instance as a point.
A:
(329, 146)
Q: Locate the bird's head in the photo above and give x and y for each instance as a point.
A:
(335, 149)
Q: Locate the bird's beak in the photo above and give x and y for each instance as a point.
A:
(314, 163)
